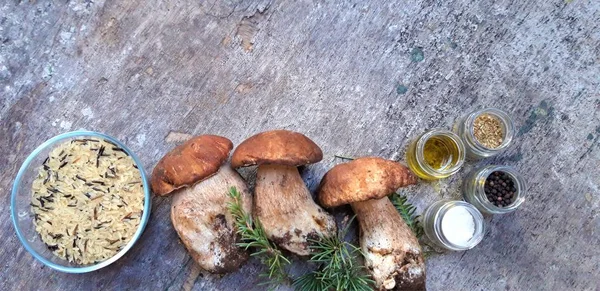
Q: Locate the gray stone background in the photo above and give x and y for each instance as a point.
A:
(358, 77)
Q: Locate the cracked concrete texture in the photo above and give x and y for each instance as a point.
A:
(358, 77)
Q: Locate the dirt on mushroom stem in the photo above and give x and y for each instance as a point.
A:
(201, 218)
(287, 211)
(389, 246)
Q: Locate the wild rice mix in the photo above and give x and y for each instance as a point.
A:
(87, 201)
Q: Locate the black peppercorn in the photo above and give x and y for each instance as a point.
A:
(500, 189)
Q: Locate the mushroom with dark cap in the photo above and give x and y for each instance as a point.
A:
(282, 202)
(198, 173)
(392, 253)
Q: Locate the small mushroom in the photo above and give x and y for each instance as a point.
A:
(392, 253)
(197, 173)
(282, 202)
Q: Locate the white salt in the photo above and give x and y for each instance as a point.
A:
(458, 225)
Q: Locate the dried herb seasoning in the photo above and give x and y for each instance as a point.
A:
(488, 131)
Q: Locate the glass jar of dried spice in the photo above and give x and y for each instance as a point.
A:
(436, 154)
(485, 132)
(494, 189)
(453, 225)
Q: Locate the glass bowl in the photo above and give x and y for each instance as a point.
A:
(22, 215)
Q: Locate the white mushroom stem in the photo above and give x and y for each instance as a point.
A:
(287, 211)
(392, 252)
(204, 224)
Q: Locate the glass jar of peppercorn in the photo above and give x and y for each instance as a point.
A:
(494, 189)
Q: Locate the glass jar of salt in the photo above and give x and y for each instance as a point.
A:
(453, 225)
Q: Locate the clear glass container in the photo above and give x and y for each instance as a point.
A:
(433, 219)
(465, 129)
(22, 217)
(454, 160)
(474, 193)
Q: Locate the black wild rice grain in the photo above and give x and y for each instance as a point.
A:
(54, 190)
(100, 154)
(120, 150)
(110, 142)
(112, 241)
(128, 216)
(98, 189)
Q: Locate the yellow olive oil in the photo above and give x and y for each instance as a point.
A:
(439, 152)
(433, 157)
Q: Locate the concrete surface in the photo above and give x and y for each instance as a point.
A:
(358, 77)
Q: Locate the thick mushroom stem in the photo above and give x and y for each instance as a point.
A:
(287, 211)
(204, 224)
(393, 263)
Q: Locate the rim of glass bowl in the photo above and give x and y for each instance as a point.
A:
(17, 183)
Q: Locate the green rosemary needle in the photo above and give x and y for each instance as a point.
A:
(253, 236)
(339, 267)
(407, 211)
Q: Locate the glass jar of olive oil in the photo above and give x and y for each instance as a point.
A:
(436, 154)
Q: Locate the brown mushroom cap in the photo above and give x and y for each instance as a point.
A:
(189, 163)
(363, 179)
(281, 147)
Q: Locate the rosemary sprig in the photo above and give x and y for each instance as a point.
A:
(253, 236)
(407, 211)
(339, 267)
(342, 157)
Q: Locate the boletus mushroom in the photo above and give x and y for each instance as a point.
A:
(282, 202)
(392, 253)
(197, 173)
